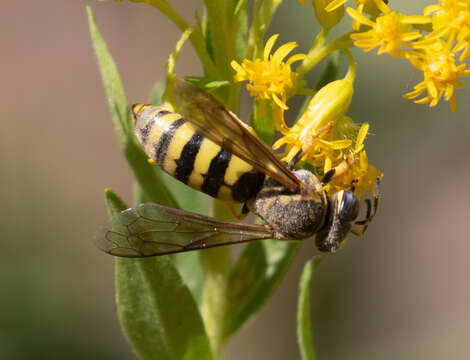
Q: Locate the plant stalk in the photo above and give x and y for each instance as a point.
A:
(217, 264)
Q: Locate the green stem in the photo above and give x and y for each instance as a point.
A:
(214, 296)
(352, 66)
(262, 13)
(234, 98)
(318, 51)
(253, 34)
(216, 263)
(196, 37)
(218, 21)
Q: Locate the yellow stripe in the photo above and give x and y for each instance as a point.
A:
(139, 108)
(162, 122)
(236, 168)
(182, 135)
(153, 137)
(202, 162)
(167, 119)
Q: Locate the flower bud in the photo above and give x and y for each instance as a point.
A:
(327, 19)
(327, 107)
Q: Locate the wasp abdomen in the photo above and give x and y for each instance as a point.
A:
(175, 145)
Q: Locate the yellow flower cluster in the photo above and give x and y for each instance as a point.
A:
(323, 137)
(271, 78)
(328, 142)
(434, 53)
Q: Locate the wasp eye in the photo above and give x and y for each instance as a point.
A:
(348, 206)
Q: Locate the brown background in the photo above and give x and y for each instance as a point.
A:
(401, 292)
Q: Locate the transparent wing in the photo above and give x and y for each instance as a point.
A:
(223, 127)
(151, 229)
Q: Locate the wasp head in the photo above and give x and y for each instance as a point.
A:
(342, 212)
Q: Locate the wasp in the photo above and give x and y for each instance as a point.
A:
(209, 148)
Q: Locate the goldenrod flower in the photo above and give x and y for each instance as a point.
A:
(363, 6)
(270, 78)
(332, 147)
(391, 31)
(355, 169)
(441, 74)
(451, 19)
(324, 137)
(322, 145)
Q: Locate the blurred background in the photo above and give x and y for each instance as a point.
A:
(400, 292)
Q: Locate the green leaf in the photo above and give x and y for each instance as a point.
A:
(304, 329)
(118, 105)
(157, 312)
(220, 39)
(216, 84)
(171, 65)
(240, 28)
(115, 94)
(156, 93)
(114, 203)
(263, 121)
(205, 28)
(255, 276)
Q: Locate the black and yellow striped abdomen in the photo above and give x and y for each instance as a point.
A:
(177, 147)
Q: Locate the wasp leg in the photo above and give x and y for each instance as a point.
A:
(369, 212)
(238, 215)
(371, 209)
(357, 232)
(295, 159)
(245, 209)
(328, 176)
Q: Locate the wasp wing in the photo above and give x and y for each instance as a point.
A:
(223, 127)
(151, 229)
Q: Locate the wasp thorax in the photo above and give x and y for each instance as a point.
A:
(294, 214)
